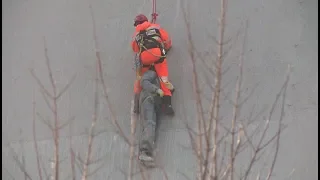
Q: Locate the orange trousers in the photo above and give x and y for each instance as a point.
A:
(149, 57)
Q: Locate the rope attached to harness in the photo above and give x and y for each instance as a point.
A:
(142, 46)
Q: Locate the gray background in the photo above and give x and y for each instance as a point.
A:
(280, 32)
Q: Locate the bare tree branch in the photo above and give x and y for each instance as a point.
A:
(66, 87)
(35, 138)
(236, 106)
(258, 147)
(19, 164)
(92, 128)
(6, 170)
(280, 124)
(200, 118)
(216, 93)
(72, 155)
(55, 113)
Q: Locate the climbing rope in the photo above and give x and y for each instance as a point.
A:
(154, 11)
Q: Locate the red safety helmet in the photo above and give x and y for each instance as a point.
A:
(140, 19)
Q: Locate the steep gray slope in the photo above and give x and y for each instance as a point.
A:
(280, 32)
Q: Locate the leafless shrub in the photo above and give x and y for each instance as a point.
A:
(207, 141)
(51, 100)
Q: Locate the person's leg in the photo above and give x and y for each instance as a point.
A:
(148, 123)
(162, 71)
(152, 56)
(137, 89)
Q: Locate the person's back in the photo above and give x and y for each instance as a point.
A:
(165, 38)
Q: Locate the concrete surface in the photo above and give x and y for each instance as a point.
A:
(280, 32)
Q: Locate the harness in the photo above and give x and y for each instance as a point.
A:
(148, 39)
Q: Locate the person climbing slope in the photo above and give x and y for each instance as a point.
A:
(151, 43)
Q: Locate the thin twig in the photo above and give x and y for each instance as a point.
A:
(132, 142)
(100, 78)
(236, 110)
(264, 132)
(214, 168)
(280, 125)
(72, 155)
(19, 163)
(103, 83)
(55, 113)
(87, 162)
(35, 138)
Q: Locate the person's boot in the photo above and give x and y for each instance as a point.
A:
(145, 156)
(146, 159)
(168, 110)
(136, 108)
